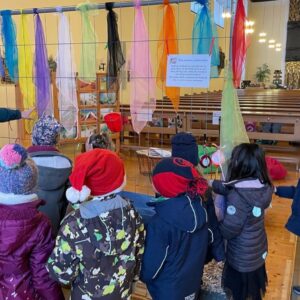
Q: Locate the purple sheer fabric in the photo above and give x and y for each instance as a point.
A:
(42, 72)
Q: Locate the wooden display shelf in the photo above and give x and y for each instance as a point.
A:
(81, 106)
(94, 122)
(97, 91)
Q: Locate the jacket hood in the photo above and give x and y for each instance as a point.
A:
(20, 223)
(96, 207)
(51, 177)
(182, 212)
(109, 223)
(253, 192)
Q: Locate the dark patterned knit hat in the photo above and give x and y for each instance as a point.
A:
(18, 173)
(184, 145)
(46, 131)
(175, 176)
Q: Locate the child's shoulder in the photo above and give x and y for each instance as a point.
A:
(72, 220)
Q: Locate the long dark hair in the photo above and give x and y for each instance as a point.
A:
(248, 161)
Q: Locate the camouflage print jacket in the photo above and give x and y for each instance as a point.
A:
(98, 250)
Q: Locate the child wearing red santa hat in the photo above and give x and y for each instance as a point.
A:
(100, 244)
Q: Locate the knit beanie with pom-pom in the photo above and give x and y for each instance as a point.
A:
(18, 173)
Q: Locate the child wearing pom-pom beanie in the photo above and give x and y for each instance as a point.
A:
(99, 245)
(25, 233)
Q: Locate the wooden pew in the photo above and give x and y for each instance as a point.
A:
(263, 106)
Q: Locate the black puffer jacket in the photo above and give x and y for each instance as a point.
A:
(243, 226)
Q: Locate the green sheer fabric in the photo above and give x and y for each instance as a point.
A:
(233, 131)
(87, 71)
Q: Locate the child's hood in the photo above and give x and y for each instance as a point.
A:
(110, 224)
(54, 168)
(182, 212)
(51, 179)
(254, 192)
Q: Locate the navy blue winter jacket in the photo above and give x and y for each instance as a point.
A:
(175, 249)
(216, 247)
(292, 192)
(9, 115)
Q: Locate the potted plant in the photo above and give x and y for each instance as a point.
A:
(263, 74)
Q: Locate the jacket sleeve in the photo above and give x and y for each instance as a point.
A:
(43, 284)
(235, 218)
(156, 250)
(286, 191)
(9, 115)
(217, 247)
(219, 187)
(139, 243)
(63, 264)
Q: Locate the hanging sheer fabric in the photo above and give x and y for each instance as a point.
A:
(26, 70)
(142, 84)
(42, 71)
(87, 70)
(115, 57)
(66, 77)
(233, 131)
(9, 38)
(205, 36)
(167, 44)
(239, 43)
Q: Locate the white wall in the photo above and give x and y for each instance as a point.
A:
(270, 17)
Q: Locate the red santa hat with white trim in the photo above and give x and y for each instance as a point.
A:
(96, 173)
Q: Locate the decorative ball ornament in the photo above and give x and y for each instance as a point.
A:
(205, 161)
(217, 158)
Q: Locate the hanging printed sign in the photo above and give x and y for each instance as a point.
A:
(188, 71)
(216, 117)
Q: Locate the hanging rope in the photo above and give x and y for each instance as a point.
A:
(26, 70)
(10, 44)
(115, 57)
(167, 44)
(65, 77)
(42, 72)
(142, 87)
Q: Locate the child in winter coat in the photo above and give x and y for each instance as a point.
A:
(54, 169)
(184, 145)
(99, 245)
(25, 233)
(177, 236)
(248, 191)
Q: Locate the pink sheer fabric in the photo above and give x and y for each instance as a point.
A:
(142, 91)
